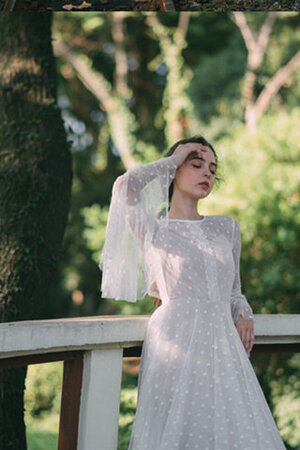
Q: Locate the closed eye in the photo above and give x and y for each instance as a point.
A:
(199, 167)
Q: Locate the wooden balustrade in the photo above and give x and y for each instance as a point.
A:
(92, 349)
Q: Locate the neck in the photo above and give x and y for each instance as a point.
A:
(183, 207)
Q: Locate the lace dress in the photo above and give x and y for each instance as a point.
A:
(196, 388)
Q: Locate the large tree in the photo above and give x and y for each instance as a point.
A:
(35, 187)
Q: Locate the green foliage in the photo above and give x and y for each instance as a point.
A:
(217, 97)
(42, 405)
(127, 412)
(286, 398)
(262, 192)
(279, 379)
(95, 220)
(43, 390)
(219, 76)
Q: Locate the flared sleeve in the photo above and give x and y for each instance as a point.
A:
(238, 301)
(140, 199)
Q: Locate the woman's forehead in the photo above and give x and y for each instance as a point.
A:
(203, 151)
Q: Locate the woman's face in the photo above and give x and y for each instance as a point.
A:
(196, 176)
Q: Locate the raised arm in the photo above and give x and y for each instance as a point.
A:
(138, 196)
(130, 185)
(136, 179)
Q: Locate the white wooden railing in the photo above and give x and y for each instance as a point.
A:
(92, 349)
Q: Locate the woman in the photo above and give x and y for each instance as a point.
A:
(197, 388)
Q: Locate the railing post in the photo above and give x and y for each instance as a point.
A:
(100, 400)
(70, 404)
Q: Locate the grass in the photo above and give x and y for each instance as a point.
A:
(41, 440)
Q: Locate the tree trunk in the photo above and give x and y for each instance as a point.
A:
(35, 187)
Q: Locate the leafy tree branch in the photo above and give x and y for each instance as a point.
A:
(256, 44)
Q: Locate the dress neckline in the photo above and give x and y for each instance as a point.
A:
(187, 220)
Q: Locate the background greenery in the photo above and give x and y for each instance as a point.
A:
(130, 97)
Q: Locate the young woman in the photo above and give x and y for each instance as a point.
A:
(197, 388)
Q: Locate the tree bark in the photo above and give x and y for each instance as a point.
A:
(35, 188)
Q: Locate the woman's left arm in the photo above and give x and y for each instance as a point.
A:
(241, 311)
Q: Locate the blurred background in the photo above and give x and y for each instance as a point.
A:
(132, 84)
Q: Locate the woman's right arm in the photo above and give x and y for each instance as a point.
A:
(139, 176)
(132, 182)
(137, 198)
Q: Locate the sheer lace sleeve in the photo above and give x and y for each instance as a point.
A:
(138, 198)
(239, 304)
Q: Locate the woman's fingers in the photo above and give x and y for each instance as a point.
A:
(246, 332)
(184, 150)
(252, 338)
(248, 339)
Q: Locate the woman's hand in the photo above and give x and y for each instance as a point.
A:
(183, 151)
(245, 329)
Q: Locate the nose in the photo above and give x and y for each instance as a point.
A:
(206, 171)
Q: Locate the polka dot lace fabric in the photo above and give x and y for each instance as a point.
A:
(197, 388)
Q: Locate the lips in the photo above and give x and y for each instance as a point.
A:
(204, 184)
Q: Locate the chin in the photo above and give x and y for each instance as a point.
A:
(202, 194)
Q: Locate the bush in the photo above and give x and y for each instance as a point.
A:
(42, 405)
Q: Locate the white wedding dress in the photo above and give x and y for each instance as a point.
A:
(197, 388)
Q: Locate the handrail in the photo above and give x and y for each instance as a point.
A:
(81, 333)
(95, 332)
(92, 349)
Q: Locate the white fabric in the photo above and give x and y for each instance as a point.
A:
(197, 388)
(139, 197)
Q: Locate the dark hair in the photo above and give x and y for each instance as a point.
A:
(198, 140)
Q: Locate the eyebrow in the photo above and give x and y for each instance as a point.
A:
(202, 159)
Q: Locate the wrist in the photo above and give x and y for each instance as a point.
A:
(180, 158)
